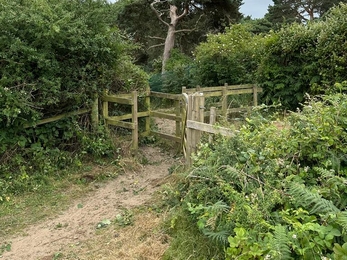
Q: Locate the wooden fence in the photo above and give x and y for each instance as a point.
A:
(195, 104)
(132, 100)
(189, 113)
(94, 111)
(195, 125)
(224, 92)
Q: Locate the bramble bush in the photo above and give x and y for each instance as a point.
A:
(274, 193)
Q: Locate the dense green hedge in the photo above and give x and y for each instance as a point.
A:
(297, 59)
(230, 58)
(301, 59)
(56, 56)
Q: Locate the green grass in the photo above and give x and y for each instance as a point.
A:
(187, 242)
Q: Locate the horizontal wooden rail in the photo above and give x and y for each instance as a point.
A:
(239, 109)
(219, 88)
(166, 95)
(166, 116)
(129, 116)
(168, 137)
(212, 129)
(56, 118)
(117, 99)
(241, 91)
(127, 125)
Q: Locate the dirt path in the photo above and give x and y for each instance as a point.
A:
(78, 224)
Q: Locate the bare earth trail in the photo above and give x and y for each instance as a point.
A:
(78, 224)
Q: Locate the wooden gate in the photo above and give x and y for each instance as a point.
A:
(189, 113)
(195, 125)
(131, 99)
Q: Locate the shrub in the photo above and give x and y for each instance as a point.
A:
(304, 58)
(55, 57)
(178, 74)
(275, 193)
(227, 58)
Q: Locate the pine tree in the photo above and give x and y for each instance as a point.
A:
(302, 11)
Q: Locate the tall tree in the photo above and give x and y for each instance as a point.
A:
(194, 19)
(221, 11)
(170, 37)
(302, 11)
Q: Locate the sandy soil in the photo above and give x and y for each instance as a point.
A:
(78, 224)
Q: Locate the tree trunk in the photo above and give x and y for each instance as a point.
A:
(170, 37)
(169, 45)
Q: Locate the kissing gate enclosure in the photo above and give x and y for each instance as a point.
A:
(189, 113)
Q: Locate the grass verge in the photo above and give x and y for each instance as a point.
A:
(54, 196)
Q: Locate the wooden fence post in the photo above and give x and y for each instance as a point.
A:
(178, 113)
(225, 101)
(105, 108)
(189, 131)
(195, 112)
(255, 95)
(95, 113)
(135, 131)
(212, 121)
(196, 108)
(148, 107)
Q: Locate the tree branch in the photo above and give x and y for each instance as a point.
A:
(154, 46)
(157, 13)
(155, 37)
(190, 30)
(183, 14)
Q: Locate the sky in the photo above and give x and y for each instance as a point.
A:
(255, 8)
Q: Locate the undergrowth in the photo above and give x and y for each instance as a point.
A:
(29, 166)
(270, 192)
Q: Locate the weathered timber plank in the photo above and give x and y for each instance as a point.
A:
(127, 125)
(167, 136)
(219, 88)
(209, 128)
(117, 99)
(135, 131)
(240, 91)
(218, 92)
(166, 95)
(166, 116)
(129, 116)
(56, 118)
(239, 109)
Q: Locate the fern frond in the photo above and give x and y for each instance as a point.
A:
(311, 201)
(219, 237)
(325, 173)
(332, 184)
(218, 207)
(341, 219)
(235, 174)
(280, 246)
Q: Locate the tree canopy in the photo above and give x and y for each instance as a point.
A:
(143, 26)
(288, 11)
